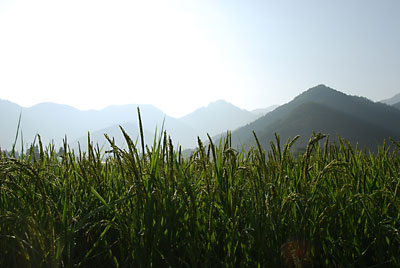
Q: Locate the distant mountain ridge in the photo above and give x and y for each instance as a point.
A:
(321, 118)
(324, 109)
(114, 133)
(263, 111)
(393, 100)
(55, 121)
(320, 109)
(218, 117)
(396, 105)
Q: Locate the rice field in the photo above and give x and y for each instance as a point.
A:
(221, 207)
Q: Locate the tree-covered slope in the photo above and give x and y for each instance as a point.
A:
(313, 117)
(342, 113)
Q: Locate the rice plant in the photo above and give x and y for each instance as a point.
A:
(332, 206)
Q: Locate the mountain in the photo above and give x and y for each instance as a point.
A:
(9, 122)
(218, 117)
(396, 105)
(263, 111)
(392, 100)
(319, 109)
(55, 121)
(326, 120)
(114, 132)
(180, 133)
(323, 109)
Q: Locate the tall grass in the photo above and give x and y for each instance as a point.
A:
(151, 207)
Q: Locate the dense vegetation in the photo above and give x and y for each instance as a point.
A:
(328, 207)
(360, 121)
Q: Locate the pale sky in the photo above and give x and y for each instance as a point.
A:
(180, 55)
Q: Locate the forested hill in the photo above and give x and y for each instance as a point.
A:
(323, 109)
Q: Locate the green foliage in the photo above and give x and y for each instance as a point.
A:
(363, 123)
(330, 206)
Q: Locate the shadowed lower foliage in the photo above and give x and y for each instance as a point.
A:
(328, 207)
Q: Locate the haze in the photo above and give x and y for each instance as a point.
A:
(180, 55)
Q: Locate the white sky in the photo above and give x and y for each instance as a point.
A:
(179, 55)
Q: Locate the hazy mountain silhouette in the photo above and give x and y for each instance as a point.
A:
(323, 109)
(396, 105)
(218, 117)
(50, 120)
(54, 121)
(180, 133)
(319, 109)
(263, 111)
(9, 122)
(114, 132)
(393, 100)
